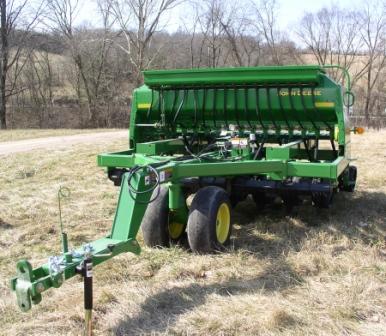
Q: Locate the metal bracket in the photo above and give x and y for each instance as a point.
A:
(23, 286)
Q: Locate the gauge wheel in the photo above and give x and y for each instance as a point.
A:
(158, 227)
(209, 222)
(352, 178)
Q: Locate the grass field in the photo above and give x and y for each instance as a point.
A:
(280, 276)
(23, 134)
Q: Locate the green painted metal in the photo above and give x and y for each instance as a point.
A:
(176, 199)
(131, 208)
(119, 159)
(279, 161)
(160, 147)
(293, 98)
(291, 109)
(233, 76)
(275, 153)
(30, 283)
(329, 170)
(210, 123)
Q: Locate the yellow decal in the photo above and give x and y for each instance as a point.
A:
(336, 132)
(324, 104)
(143, 105)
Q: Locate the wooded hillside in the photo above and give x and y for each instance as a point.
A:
(56, 73)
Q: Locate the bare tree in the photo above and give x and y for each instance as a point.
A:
(373, 33)
(263, 16)
(332, 36)
(213, 30)
(17, 19)
(139, 20)
(209, 44)
(245, 47)
(191, 31)
(88, 49)
(353, 39)
(223, 34)
(61, 16)
(37, 78)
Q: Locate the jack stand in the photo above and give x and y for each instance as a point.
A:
(86, 271)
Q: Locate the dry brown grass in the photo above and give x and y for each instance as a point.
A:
(23, 134)
(280, 276)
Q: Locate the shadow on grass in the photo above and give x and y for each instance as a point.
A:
(160, 311)
(268, 233)
(4, 225)
(360, 216)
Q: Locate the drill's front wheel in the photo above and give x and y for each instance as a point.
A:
(209, 222)
(158, 227)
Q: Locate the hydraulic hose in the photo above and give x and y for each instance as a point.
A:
(136, 192)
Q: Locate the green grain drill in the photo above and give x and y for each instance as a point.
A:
(213, 137)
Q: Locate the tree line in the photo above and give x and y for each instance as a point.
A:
(55, 72)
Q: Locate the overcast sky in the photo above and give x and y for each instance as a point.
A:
(291, 11)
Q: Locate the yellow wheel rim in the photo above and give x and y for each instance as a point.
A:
(223, 222)
(176, 230)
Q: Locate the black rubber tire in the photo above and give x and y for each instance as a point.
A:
(155, 223)
(352, 177)
(322, 200)
(202, 220)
